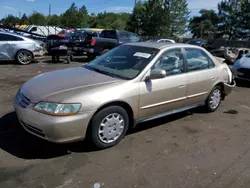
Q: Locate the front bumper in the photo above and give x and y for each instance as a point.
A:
(52, 128)
(38, 54)
(239, 75)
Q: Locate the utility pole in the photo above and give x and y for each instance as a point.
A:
(49, 9)
(135, 2)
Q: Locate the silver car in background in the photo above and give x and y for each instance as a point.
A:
(14, 47)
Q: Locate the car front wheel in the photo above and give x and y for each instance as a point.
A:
(214, 99)
(108, 127)
(24, 57)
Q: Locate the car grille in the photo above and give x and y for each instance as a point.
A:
(246, 73)
(22, 100)
(34, 130)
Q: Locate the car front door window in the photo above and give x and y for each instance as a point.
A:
(172, 61)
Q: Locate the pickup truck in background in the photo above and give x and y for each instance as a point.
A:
(107, 40)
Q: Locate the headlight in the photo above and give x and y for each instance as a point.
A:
(57, 109)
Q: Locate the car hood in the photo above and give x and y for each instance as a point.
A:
(244, 62)
(49, 85)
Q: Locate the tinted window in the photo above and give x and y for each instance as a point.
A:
(109, 34)
(133, 37)
(198, 60)
(62, 31)
(123, 36)
(195, 42)
(6, 37)
(125, 61)
(171, 61)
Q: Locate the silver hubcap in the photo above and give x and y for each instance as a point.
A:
(24, 57)
(111, 128)
(215, 98)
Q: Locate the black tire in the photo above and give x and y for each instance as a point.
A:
(90, 57)
(57, 59)
(21, 53)
(53, 59)
(93, 130)
(212, 107)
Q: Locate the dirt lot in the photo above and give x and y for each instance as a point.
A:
(191, 149)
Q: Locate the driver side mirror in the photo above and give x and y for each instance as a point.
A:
(157, 74)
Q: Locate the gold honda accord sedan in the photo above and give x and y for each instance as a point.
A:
(129, 84)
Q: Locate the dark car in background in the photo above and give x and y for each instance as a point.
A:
(56, 40)
(109, 39)
(208, 45)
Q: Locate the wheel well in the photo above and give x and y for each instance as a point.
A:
(222, 88)
(124, 105)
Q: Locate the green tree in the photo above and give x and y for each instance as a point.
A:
(234, 17)
(136, 21)
(177, 18)
(37, 18)
(207, 23)
(10, 20)
(70, 17)
(53, 20)
(24, 19)
(83, 17)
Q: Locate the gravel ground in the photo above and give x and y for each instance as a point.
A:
(186, 150)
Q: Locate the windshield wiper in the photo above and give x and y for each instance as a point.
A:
(101, 71)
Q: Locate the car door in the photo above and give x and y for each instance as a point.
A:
(11, 43)
(165, 94)
(201, 75)
(3, 45)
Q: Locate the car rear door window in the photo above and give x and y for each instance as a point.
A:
(6, 37)
(198, 60)
(172, 61)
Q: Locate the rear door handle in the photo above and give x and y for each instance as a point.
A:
(213, 78)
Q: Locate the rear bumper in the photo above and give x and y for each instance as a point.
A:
(83, 49)
(229, 87)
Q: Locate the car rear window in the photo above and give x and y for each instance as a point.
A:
(109, 34)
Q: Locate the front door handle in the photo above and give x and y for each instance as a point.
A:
(182, 86)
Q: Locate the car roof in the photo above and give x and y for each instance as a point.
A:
(9, 33)
(161, 46)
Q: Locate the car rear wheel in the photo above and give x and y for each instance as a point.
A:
(24, 57)
(108, 127)
(214, 99)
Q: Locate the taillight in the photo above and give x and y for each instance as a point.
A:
(92, 42)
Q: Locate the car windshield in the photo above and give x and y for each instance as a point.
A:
(27, 28)
(62, 32)
(196, 42)
(69, 34)
(125, 61)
